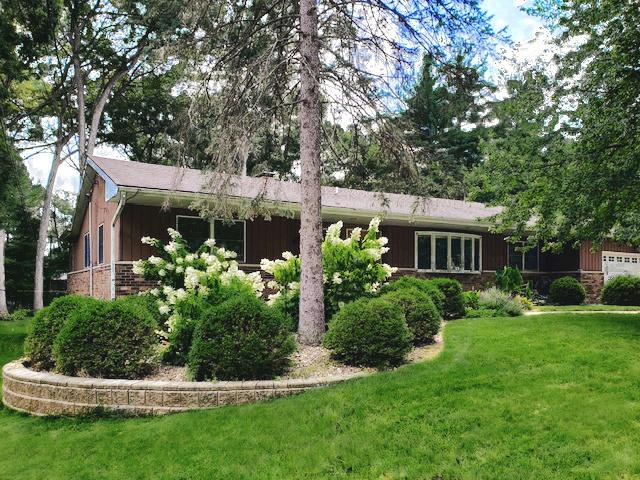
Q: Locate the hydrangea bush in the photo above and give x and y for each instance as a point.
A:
(352, 267)
(181, 273)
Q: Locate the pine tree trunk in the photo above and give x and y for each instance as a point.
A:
(38, 287)
(4, 311)
(311, 325)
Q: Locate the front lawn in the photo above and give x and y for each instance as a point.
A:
(587, 308)
(548, 396)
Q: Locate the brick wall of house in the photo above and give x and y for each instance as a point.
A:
(80, 283)
(128, 283)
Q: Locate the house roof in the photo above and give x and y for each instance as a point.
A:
(123, 175)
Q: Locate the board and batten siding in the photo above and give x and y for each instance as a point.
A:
(100, 213)
(592, 261)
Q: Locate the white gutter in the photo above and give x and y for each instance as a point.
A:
(116, 216)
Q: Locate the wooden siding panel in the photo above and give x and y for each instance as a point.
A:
(592, 261)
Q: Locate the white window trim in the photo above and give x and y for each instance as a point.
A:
(212, 233)
(84, 250)
(522, 259)
(448, 235)
(98, 262)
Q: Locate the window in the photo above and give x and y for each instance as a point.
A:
(101, 244)
(194, 230)
(230, 235)
(87, 250)
(448, 252)
(528, 260)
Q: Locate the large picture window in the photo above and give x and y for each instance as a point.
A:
(448, 252)
(529, 260)
(227, 234)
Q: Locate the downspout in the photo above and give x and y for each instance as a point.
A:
(116, 216)
(90, 249)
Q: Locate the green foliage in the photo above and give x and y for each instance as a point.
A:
(566, 291)
(190, 312)
(452, 290)
(369, 332)
(420, 313)
(352, 268)
(501, 302)
(46, 326)
(426, 286)
(288, 304)
(470, 299)
(484, 313)
(110, 339)
(622, 290)
(509, 280)
(20, 315)
(240, 339)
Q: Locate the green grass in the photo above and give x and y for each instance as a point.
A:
(550, 396)
(586, 308)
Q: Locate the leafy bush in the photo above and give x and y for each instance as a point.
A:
(566, 291)
(111, 339)
(452, 290)
(426, 286)
(420, 313)
(242, 338)
(18, 315)
(352, 268)
(495, 299)
(180, 273)
(369, 332)
(46, 326)
(524, 302)
(470, 299)
(483, 313)
(622, 290)
(288, 304)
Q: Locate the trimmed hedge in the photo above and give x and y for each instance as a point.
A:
(114, 339)
(622, 290)
(566, 291)
(369, 332)
(426, 286)
(46, 326)
(241, 339)
(420, 313)
(452, 290)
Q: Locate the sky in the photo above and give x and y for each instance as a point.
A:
(530, 42)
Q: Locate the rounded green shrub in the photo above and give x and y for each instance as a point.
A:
(240, 339)
(452, 290)
(288, 303)
(110, 339)
(426, 286)
(566, 291)
(190, 312)
(420, 313)
(369, 332)
(622, 290)
(470, 299)
(46, 326)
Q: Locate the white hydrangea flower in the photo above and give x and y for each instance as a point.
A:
(293, 285)
(374, 253)
(148, 240)
(273, 284)
(334, 229)
(375, 287)
(180, 293)
(164, 309)
(155, 292)
(203, 291)
(388, 269)
(228, 253)
(162, 272)
(138, 267)
(167, 290)
(179, 269)
(174, 234)
(382, 241)
(155, 260)
(189, 258)
(356, 234)
(170, 266)
(210, 242)
(374, 224)
(383, 250)
(271, 299)
(171, 247)
(288, 255)
(336, 278)
(267, 265)
(172, 321)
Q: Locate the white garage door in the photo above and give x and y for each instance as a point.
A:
(618, 263)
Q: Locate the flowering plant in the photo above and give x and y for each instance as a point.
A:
(181, 273)
(352, 267)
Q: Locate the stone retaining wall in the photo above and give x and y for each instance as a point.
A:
(42, 393)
